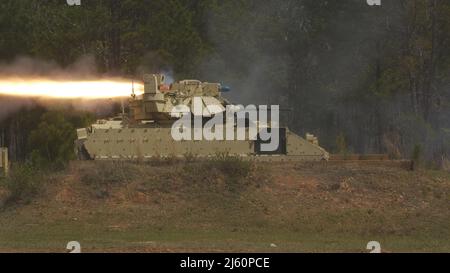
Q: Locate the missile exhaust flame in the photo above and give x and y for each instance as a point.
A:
(68, 89)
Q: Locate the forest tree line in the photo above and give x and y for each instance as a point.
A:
(364, 79)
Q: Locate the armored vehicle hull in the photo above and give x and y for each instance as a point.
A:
(147, 132)
(147, 143)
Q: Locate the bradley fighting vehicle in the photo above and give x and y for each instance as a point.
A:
(146, 132)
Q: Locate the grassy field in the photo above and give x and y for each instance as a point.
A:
(230, 205)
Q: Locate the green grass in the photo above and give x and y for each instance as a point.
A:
(182, 208)
(95, 235)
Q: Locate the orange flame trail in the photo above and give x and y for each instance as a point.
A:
(70, 89)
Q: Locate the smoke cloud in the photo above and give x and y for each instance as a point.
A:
(83, 68)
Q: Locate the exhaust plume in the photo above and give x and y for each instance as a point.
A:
(66, 89)
(27, 77)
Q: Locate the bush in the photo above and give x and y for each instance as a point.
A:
(23, 183)
(163, 160)
(108, 173)
(101, 176)
(233, 169)
(46, 136)
(52, 142)
(190, 157)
